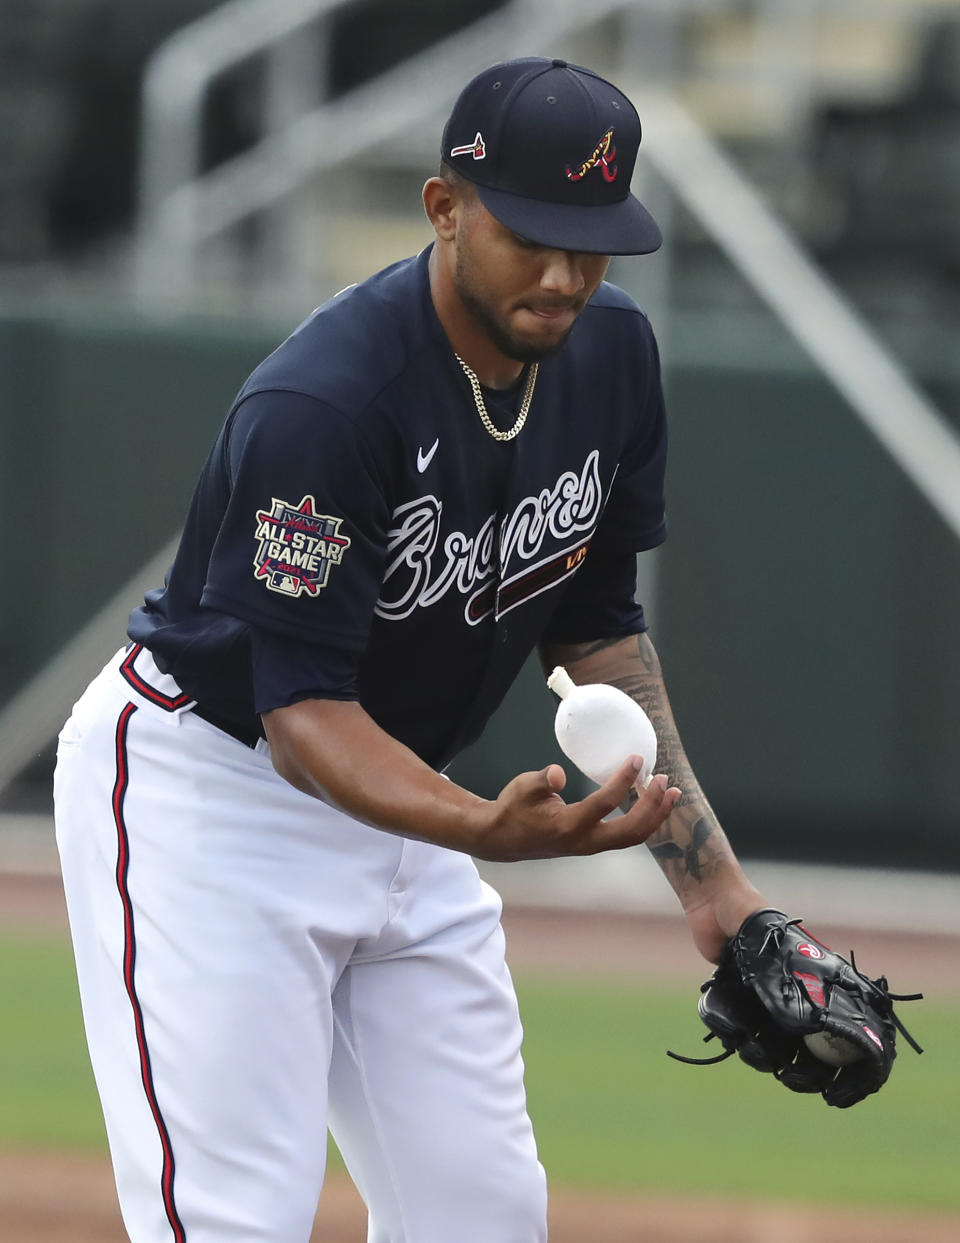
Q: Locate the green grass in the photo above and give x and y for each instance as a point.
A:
(611, 1110)
(47, 1096)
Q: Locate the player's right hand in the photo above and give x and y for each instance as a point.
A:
(529, 819)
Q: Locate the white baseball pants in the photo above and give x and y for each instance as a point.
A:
(254, 967)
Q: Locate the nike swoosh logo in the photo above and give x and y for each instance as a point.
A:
(424, 459)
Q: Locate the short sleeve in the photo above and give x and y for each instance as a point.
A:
(634, 518)
(286, 671)
(600, 602)
(301, 544)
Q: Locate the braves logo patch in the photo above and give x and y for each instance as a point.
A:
(602, 157)
(296, 547)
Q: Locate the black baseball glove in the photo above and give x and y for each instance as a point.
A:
(778, 994)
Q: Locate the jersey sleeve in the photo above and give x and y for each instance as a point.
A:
(600, 602)
(286, 671)
(300, 548)
(634, 517)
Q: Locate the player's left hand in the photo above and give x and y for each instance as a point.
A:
(790, 1006)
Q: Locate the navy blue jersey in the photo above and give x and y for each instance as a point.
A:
(358, 534)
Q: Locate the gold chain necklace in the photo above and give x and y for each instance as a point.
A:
(482, 406)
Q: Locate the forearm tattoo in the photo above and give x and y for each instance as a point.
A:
(690, 857)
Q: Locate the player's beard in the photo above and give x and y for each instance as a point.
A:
(507, 342)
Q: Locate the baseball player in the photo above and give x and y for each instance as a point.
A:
(277, 922)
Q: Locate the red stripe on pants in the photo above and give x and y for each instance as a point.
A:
(129, 964)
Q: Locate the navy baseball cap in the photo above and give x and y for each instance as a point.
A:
(551, 149)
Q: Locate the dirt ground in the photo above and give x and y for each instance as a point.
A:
(68, 1198)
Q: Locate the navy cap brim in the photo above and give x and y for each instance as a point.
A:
(624, 228)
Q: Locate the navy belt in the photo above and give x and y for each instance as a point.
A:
(249, 737)
(171, 702)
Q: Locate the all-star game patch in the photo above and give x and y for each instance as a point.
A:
(296, 547)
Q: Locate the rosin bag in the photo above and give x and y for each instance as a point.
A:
(598, 727)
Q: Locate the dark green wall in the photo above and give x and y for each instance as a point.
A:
(807, 603)
(104, 424)
(810, 605)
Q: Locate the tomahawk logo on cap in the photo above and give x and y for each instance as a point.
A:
(475, 148)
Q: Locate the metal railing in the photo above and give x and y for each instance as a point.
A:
(182, 208)
(181, 72)
(836, 338)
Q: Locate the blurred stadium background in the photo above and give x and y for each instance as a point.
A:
(181, 181)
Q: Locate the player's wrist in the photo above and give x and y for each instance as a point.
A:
(734, 909)
(730, 902)
(491, 829)
(715, 919)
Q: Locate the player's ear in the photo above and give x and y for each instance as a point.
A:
(441, 202)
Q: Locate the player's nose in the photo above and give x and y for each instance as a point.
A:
(562, 273)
